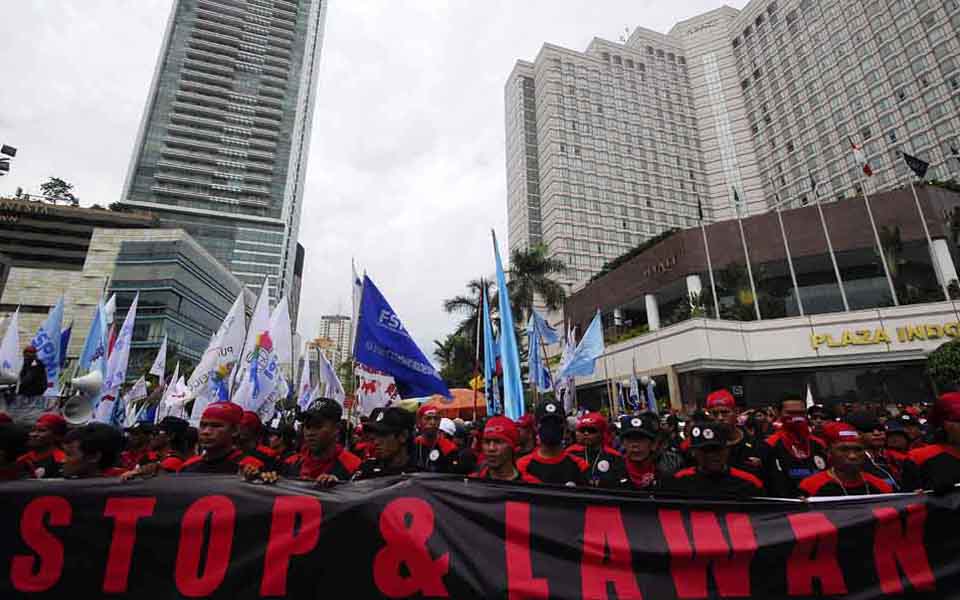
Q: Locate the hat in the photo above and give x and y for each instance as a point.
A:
(721, 398)
(704, 435)
(646, 425)
(142, 426)
(502, 428)
(549, 409)
(946, 408)
(392, 419)
(448, 426)
(225, 412)
(322, 408)
(427, 409)
(593, 420)
(30, 350)
(251, 419)
(818, 409)
(54, 422)
(835, 433)
(526, 422)
(895, 426)
(864, 422)
(174, 425)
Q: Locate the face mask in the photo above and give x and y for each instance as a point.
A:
(551, 432)
(797, 426)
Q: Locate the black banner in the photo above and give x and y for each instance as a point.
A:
(434, 536)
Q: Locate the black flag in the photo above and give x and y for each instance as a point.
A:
(700, 208)
(916, 165)
(954, 152)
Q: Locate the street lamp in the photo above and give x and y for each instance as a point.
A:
(8, 152)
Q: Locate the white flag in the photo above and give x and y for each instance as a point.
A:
(11, 357)
(305, 390)
(280, 332)
(332, 388)
(210, 380)
(159, 363)
(375, 389)
(117, 364)
(356, 286)
(110, 309)
(164, 408)
(249, 392)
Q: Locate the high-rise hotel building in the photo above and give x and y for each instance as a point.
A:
(222, 148)
(609, 147)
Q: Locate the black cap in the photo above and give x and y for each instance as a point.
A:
(174, 425)
(704, 435)
(322, 408)
(818, 409)
(645, 424)
(549, 409)
(141, 427)
(864, 421)
(392, 419)
(895, 426)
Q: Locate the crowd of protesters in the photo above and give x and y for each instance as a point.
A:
(790, 451)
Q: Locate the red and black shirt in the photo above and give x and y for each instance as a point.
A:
(732, 482)
(564, 469)
(606, 467)
(640, 476)
(745, 455)
(435, 456)
(131, 458)
(825, 484)
(229, 464)
(933, 467)
(42, 465)
(338, 462)
(787, 462)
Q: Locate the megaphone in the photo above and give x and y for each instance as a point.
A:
(78, 410)
(89, 384)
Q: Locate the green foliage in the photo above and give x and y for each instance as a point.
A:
(471, 305)
(456, 357)
(943, 366)
(626, 256)
(57, 188)
(532, 274)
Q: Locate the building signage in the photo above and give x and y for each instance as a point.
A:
(662, 266)
(879, 335)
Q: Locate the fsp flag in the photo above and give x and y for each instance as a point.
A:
(94, 354)
(383, 343)
(47, 343)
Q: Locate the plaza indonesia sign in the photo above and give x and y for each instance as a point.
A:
(881, 335)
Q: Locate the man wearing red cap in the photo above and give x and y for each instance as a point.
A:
(937, 466)
(433, 453)
(248, 440)
(527, 430)
(744, 451)
(219, 455)
(500, 438)
(792, 454)
(45, 458)
(607, 468)
(846, 476)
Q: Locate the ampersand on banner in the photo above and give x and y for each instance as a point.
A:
(406, 524)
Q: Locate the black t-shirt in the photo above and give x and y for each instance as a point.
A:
(374, 469)
(606, 468)
(824, 484)
(934, 467)
(783, 470)
(733, 482)
(745, 455)
(228, 464)
(435, 456)
(565, 469)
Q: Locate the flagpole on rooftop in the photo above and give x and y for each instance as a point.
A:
(746, 253)
(706, 250)
(926, 230)
(786, 247)
(826, 235)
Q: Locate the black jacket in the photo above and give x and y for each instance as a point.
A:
(33, 378)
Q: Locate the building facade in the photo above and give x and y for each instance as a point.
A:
(729, 113)
(222, 148)
(334, 338)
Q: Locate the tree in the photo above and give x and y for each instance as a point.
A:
(532, 274)
(943, 366)
(456, 357)
(471, 306)
(58, 189)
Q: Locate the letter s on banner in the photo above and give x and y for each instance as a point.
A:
(40, 573)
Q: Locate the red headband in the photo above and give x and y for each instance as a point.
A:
(56, 423)
(250, 419)
(226, 412)
(502, 428)
(946, 408)
(721, 398)
(835, 433)
(593, 419)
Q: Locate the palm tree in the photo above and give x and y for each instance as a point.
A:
(471, 305)
(532, 274)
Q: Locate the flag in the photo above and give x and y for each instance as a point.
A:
(375, 389)
(47, 343)
(383, 343)
(356, 289)
(954, 152)
(583, 360)
(634, 388)
(814, 185)
(509, 355)
(700, 209)
(211, 379)
(94, 352)
(160, 362)
(489, 358)
(64, 344)
(110, 309)
(547, 332)
(259, 324)
(737, 203)
(917, 165)
(810, 401)
(136, 393)
(861, 159)
(11, 356)
(281, 333)
(261, 377)
(537, 329)
(652, 397)
(565, 384)
(117, 363)
(164, 407)
(332, 388)
(305, 390)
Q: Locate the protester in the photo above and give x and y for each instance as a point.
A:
(363, 447)
(92, 451)
(874, 438)
(139, 438)
(744, 452)
(937, 466)
(713, 476)
(447, 429)
(45, 458)
(13, 443)
(391, 431)
(433, 453)
(321, 459)
(549, 462)
(527, 428)
(33, 374)
(219, 424)
(639, 434)
(792, 454)
(911, 425)
(606, 466)
(818, 415)
(500, 439)
(249, 440)
(283, 442)
(846, 475)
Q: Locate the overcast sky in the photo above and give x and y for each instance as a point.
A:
(406, 169)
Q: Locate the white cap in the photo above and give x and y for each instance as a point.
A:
(448, 426)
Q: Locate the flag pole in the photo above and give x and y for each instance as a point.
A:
(786, 248)
(706, 249)
(926, 232)
(476, 361)
(746, 254)
(833, 255)
(876, 237)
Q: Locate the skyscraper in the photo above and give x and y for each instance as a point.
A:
(334, 338)
(223, 144)
(609, 147)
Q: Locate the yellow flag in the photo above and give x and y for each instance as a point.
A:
(476, 383)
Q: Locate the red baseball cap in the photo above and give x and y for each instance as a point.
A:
(427, 409)
(502, 428)
(225, 412)
(835, 433)
(946, 408)
(526, 422)
(721, 398)
(592, 419)
(54, 422)
(251, 419)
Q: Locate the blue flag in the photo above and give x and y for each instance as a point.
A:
(547, 333)
(64, 343)
(537, 330)
(94, 350)
(588, 351)
(47, 343)
(489, 358)
(384, 344)
(509, 355)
